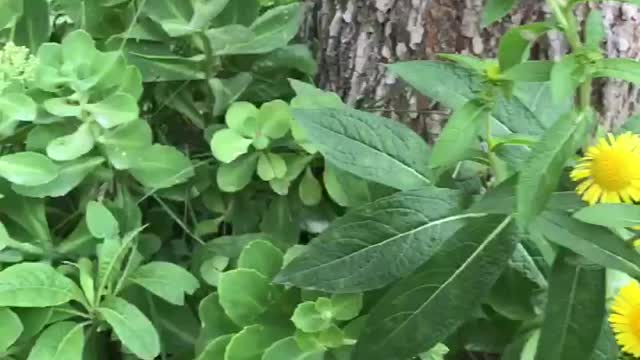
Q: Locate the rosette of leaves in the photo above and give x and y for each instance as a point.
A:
(249, 317)
(72, 311)
(86, 115)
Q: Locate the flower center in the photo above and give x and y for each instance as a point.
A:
(614, 170)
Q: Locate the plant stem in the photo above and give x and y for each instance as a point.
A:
(209, 74)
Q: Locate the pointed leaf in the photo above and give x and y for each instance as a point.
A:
(27, 168)
(61, 341)
(169, 281)
(35, 285)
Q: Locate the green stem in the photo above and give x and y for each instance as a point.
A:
(208, 71)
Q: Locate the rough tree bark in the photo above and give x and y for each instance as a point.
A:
(354, 39)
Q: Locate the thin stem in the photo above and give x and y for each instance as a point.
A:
(208, 71)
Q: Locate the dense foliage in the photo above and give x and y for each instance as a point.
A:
(172, 186)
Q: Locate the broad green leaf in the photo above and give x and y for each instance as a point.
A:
(243, 13)
(227, 145)
(261, 256)
(132, 327)
(275, 119)
(131, 82)
(622, 69)
(34, 26)
(346, 306)
(565, 77)
(10, 11)
(540, 177)
(226, 91)
(530, 71)
(593, 242)
(162, 166)
(235, 176)
(494, 10)
(35, 285)
(418, 312)
(61, 341)
(168, 281)
(271, 166)
(310, 190)
(610, 215)
(17, 106)
(594, 29)
(515, 44)
(166, 69)
(62, 107)
(309, 319)
(71, 174)
(369, 146)
(242, 117)
(124, 144)
(252, 341)
(378, 243)
(215, 322)
(244, 294)
(216, 348)
(204, 11)
(575, 310)
(10, 328)
(117, 109)
(41, 135)
(101, 223)
(76, 43)
(28, 168)
(71, 147)
(33, 320)
(459, 134)
(288, 348)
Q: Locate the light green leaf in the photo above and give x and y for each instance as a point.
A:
(288, 348)
(244, 294)
(242, 117)
(71, 174)
(124, 144)
(10, 11)
(61, 341)
(610, 215)
(378, 243)
(35, 285)
(575, 310)
(368, 146)
(310, 190)
(111, 254)
(28, 168)
(594, 29)
(307, 318)
(169, 281)
(275, 119)
(540, 177)
(346, 306)
(78, 49)
(622, 69)
(565, 77)
(101, 223)
(261, 256)
(216, 348)
(174, 17)
(530, 71)
(516, 43)
(132, 327)
(71, 147)
(215, 321)
(117, 109)
(494, 10)
(237, 175)
(271, 166)
(227, 145)
(204, 11)
(10, 327)
(63, 107)
(162, 166)
(226, 91)
(252, 341)
(17, 106)
(418, 312)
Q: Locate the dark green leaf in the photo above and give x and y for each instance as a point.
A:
(516, 43)
(495, 9)
(33, 28)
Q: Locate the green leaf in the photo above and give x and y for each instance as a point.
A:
(10, 328)
(215, 322)
(62, 107)
(593, 242)
(169, 281)
(378, 243)
(459, 134)
(540, 177)
(346, 306)
(530, 71)
(236, 175)
(216, 348)
(565, 77)
(242, 117)
(494, 10)
(606, 346)
(437, 352)
(61, 341)
(594, 29)
(75, 43)
(261, 256)
(117, 109)
(71, 147)
(34, 26)
(162, 166)
(252, 341)
(35, 285)
(132, 327)
(10, 11)
(271, 166)
(275, 119)
(71, 174)
(575, 310)
(368, 146)
(622, 69)
(17, 106)
(288, 348)
(307, 318)
(310, 190)
(610, 215)
(101, 223)
(228, 90)
(28, 168)
(227, 145)
(204, 11)
(111, 254)
(244, 294)
(174, 17)
(124, 144)
(417, 313)
(515, 44)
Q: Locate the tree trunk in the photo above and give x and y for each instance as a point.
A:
(354, 39)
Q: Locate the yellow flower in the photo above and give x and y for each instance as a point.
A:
(625, 318)
(610, 170)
